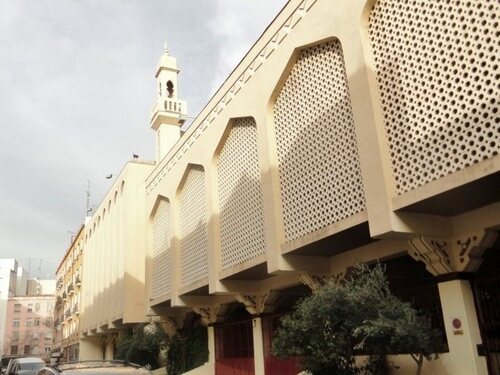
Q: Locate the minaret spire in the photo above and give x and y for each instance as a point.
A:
(169, 112)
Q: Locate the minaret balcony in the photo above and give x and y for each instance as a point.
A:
(168, 111)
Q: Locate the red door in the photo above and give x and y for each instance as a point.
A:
(234, 349)
(273, 365)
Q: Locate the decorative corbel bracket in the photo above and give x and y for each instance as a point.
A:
(172, 322)
(259, 303)
(210, 314)
(316, 281)
(454, 254)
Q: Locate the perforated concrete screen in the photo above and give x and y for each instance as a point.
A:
(240, 195)
(437, 70)
(162, 263)
(193, 223)
(319, 171)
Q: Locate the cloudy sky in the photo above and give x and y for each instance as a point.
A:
(76, 88)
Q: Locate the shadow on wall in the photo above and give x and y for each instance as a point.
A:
(121, 302)
(319, 169)
(242, 223)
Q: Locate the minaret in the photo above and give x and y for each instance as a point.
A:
(169, 113)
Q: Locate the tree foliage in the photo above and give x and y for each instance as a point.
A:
(358, 315)
(187, 350)
(143, 345)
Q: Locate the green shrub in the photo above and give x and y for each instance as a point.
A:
(358, 315)
(143, 345)
(187, 350)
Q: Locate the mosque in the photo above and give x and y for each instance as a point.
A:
(352, 131)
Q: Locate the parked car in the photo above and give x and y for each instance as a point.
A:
(99, 367)
(24, 366)
(4, 362)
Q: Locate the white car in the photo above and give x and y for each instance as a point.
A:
(24, 366)
(97, 367)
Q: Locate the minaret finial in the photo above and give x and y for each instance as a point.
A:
(165, 47)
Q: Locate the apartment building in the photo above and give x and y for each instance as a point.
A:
(13, 282)
(30, 324)
(68, 297)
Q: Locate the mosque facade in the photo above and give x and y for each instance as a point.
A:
(352, 131)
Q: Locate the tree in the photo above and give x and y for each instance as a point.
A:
(143, 346)
(358, 315)
(187, 349)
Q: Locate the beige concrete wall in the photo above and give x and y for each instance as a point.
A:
(251, 91)
(113, 273)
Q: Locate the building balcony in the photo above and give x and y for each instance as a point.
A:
(168, 109)
(59, 283)
(78, 281)
(76, 310)
(71, 289)
(64, 296)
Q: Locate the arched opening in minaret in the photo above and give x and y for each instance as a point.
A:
(170, 89)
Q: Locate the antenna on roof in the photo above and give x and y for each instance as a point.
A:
(89, 209)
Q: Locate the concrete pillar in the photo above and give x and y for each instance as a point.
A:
(109, 347)
(90, 348)
(211, 344)
(258, 345)
(457, 302)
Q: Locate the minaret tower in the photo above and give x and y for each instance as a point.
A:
(169, 113)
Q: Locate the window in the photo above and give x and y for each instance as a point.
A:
(15, 335)
(35, 350)
(170, 89)
(48, 322)
(27, 349)
(17, 308)
(37, 307)
(50, 307)
(13, 349)
(16, 323)
(48, 335)
(29, 322)
(36, 322)
(47, 349)
(30, 307)
(36, 335)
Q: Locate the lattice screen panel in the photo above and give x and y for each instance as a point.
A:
(320, 177)
(162, 251)
(193, 222)
(240, 195)
(437, 70)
